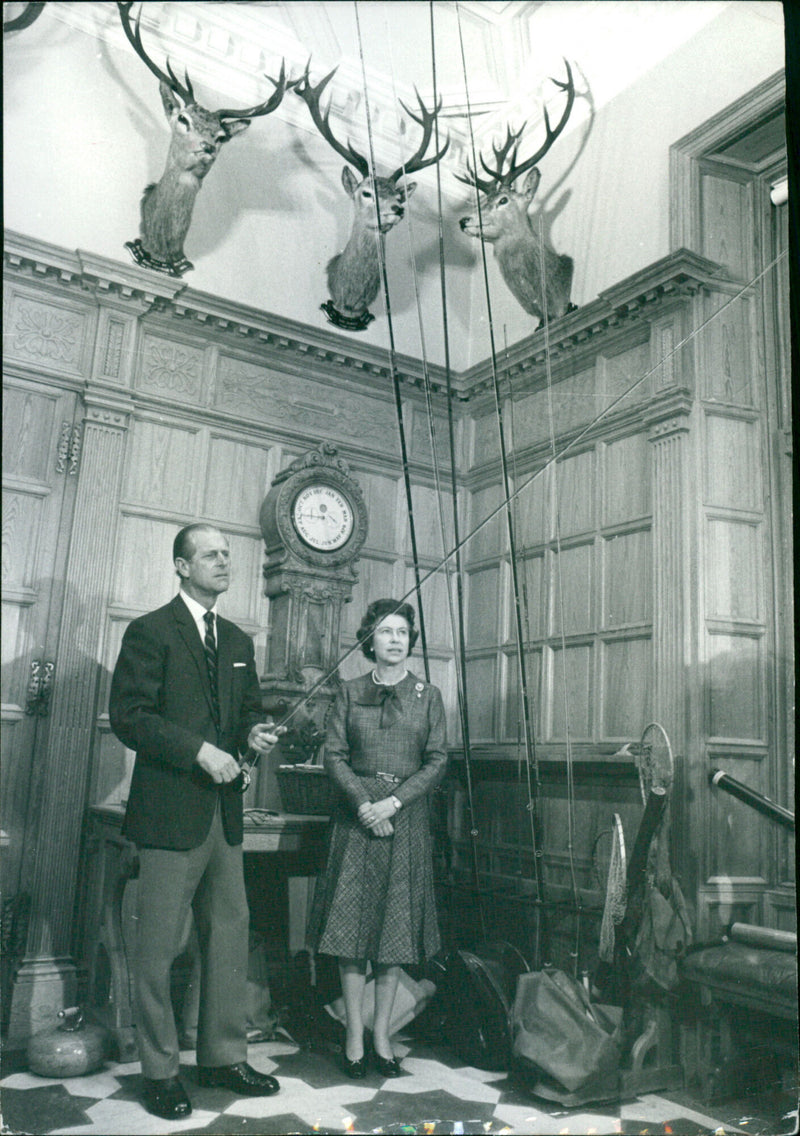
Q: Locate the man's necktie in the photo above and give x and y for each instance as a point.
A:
(210, 645)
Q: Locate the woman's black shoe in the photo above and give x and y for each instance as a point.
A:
(355, 1069)
(387, 1067)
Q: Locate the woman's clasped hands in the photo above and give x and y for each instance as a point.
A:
(375, 815)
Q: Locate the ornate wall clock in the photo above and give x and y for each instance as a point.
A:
(314, 524)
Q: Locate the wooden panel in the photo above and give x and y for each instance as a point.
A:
(236, 481)
(727, 375)
(570, 694)
(532, 507)
(626, 480)
(492, 537)
(726, 216)
(733, 571)
(28, 432)
(22, 516)
(737, 835)
(244, 601)
(143, 579)
(627, 579)
(428, 521)
(732, 463)
(571, 590)
(735, 696)
(531, 576)
(575, 492)
(436, 602)
(380, 495)
(163, 468)
(481, 686)
(483, 607)
(513, 722)
(375, 579)
(171, 369)
(618, 373)
(573, 403)
(626, 686)
(486, 446)
(530, 423)
(258, 393)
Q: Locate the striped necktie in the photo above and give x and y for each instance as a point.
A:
(210, 646)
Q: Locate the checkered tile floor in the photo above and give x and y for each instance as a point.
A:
(436, 1095)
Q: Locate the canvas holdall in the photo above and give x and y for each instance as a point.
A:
(567, 1048)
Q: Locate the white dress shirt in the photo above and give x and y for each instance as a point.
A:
(197, 612)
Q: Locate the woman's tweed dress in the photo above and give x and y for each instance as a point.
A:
(375, 898)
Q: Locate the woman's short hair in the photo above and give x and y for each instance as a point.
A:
(377, 611)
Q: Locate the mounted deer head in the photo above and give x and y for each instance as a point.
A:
(378, 204)
(197, 136)
(539, 278)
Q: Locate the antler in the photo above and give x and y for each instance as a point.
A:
(311, 97)
(184, 89)
(134, 35)
(511, 147)
(269, 105)
(426, 120)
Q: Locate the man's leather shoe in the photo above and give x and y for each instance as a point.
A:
(165, 1098)
(242, 1079)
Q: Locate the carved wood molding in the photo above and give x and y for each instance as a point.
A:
(684, 170)
(616, 314)
(280, 341)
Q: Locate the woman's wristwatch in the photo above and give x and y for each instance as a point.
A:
(398, 804)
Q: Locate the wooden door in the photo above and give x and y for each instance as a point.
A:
(40, 445)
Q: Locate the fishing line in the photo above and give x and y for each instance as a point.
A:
(523, 680)
(393, 362)
(575, 953)
(456, 623)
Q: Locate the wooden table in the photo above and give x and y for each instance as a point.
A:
(109, 898)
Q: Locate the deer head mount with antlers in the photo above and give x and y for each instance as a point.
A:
(197, 137)
(539, 277)
(378, 205)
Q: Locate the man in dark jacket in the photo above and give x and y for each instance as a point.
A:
(185, 696)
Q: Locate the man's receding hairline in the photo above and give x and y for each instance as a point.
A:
(194, 530)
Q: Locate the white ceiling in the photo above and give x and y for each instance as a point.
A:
(493, 55)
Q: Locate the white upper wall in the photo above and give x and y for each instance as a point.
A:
(84, 132)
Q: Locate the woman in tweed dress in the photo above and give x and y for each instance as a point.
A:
(385, 750)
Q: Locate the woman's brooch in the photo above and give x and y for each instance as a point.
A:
(419, 689)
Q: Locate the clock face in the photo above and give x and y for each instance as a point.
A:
(323, 517)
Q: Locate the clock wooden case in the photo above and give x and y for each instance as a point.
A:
(314, 524)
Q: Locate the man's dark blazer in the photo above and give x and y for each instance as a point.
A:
(161, 707)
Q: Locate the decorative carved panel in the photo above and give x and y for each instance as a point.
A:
(45, 333)
(171, 369)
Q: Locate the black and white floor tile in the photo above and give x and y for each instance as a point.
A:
(436, 1095)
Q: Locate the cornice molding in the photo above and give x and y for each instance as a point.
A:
(645, 295)
(150, 293)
